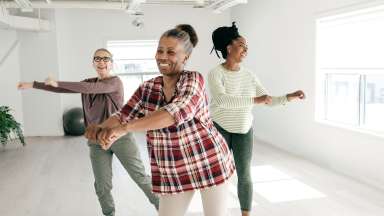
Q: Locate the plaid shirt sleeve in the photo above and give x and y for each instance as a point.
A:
(133, 109)
(190, 95)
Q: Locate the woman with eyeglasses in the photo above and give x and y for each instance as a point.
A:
(187, 152)
(101, 97)
(234, 91)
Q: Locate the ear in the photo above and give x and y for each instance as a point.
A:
(186, 59)
(229, 47)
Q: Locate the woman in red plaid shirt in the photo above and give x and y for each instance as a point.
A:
(186, 151)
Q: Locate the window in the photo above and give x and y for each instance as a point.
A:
(374, 102)
(350, 69)
(134, 62)
(342, 98)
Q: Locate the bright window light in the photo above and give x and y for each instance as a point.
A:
(268, 182)
(286, 190)
(267, 173)
(374, 102)
(350, 69)
(276, 186)
(134, 62)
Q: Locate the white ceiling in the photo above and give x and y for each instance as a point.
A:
(105, 4)
(16, 13)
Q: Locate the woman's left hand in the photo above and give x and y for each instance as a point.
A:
(92, 131)
(50, 81)
(107, 136)
(299, 94)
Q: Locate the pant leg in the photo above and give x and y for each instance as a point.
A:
(227, 135)
(102, 170)
(215, 200)
(175, 204)
(242, 146)
(128, 153)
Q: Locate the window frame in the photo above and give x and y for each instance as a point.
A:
(321, 75)
(127, 43)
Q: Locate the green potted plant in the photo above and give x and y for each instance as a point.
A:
(9, 128)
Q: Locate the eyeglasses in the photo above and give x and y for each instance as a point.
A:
(105, 59)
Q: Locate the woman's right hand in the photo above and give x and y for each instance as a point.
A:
(24, 85)
(264, 99)
(92, 131)
(108, 136)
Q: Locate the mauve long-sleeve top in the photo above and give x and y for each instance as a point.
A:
(100, 97)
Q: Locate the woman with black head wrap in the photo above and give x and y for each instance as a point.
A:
(234, 90)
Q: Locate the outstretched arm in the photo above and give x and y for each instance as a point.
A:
(153, 121)
(24, 85)
(156, 120)
(42, 86)
(99, 87)
(271, 100)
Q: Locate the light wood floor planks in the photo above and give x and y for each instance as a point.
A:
(52, 176)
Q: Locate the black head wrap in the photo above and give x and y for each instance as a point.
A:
(222, 37)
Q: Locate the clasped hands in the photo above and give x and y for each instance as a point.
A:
(105, 137)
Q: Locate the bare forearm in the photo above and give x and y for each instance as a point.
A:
(156, 120)
(111, 122)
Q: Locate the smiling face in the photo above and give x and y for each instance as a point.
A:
(237, 50)
(102, 62)
(170, 56)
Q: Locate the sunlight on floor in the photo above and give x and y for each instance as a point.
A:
(276, 186)
(270, 185)
(268, 182)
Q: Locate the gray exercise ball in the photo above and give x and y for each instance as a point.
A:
(73, 122)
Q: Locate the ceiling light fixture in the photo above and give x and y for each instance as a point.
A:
(134, 7)
(25, 5)
(221, 5)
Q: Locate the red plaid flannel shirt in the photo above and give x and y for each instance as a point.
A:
(191, 154)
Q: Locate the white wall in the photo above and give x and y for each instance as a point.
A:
(281, 37)
(10, 73)
(79, 37)
(66, 52)
(42, 112)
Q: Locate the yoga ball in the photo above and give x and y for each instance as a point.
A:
(73, 122)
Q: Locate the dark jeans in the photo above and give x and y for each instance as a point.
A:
(241, 146)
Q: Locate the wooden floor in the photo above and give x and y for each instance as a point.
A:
(52, 176)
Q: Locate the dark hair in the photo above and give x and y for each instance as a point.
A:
(222, 37)
(184, 33)
(191, 32)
